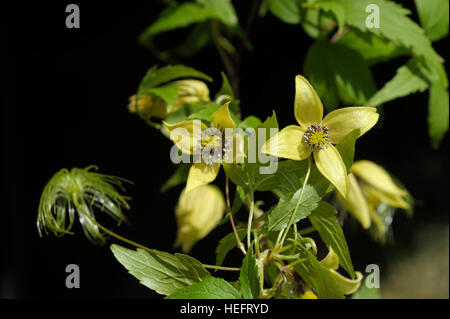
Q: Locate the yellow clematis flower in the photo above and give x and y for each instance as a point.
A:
(370, 185)
(214, 145)
(317, 135)
(197, 213)
(189, 91)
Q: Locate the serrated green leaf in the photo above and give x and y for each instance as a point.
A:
(408, 79)
(163, 272)
(168, 94)
(155, 77)
(346, 148)
(338, 73)
(433, 17)
(281, 214)
(324, 220)
(438, 114)
(372, 48)
(249, 277)
(287, 11)
(317, 276)
(178, 177)
(209, 288)
(176, 17)
(205, 114)
(227, 243)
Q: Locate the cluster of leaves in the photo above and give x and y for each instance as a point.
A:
(347, 46)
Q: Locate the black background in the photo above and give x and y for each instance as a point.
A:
(65, 106)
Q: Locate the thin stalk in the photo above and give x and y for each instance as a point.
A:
(291, 220)
(230, 215)
(250, 218)
(152, 251)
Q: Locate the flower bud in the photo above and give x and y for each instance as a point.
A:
(189, 91)
(198, 212)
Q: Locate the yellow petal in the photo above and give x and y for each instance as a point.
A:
(356, 203)
(308, 294)
(331, 261)
(348, 286)
(222, 118)
(186, 134)
(288, 143)
(330, 164)
(201, 174)
(375, 195)
(376, 176)
(198, 212)
(340, 122)
(308, 108)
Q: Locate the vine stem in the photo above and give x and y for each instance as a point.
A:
(152, 251)
(291, 220)
(230, 214)
(250, 218)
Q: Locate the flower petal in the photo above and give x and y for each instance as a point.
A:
(222, 118)
(308, 108)
(330, 164)
(201, 174)
(356, 203)
(331, 260)
(342, 121)
(348, 286)
(375, 195)
(376, 176)
(186, 134)
(288, 143)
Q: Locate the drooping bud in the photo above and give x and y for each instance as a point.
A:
(198, 212)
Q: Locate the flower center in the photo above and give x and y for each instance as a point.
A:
(316, 137)
(215, 148)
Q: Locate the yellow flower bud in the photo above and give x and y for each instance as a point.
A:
(308, 294)
(189, 91)
(198, 212)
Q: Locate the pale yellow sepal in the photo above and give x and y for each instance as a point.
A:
(347, 285)
(201, 174)
(288, 143)
(222, 118)
(375, 196)
(186, 135)
(331, 260)
(330, 165)
(356, 203)
(342, 121)
(376, 176)
(308, 108)
(197, 213)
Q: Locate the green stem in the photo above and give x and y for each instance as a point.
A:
(152, 251)
(250, 219)
(307, 230)
(230, 214)
(291, 220)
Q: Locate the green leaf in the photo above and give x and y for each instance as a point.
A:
(250, 121)
(210, 288)
(236, 174)
(372, 48)
(176, 17)
(198, 38)
(316, 23)
(338, 73)
(365, 292)
(226, 88)
(287, 11)
(347, 148)
(183, 113)
(408, 79)
(438, 113)
(433, 17)
(249, 277)
(224, 9)
(227, 243)
(155, 77)
(317, 276)
(335, 9)
(205, 114)
(168, 94)
(163, 272)
(178, 177)
(324, 220)
(281, 214)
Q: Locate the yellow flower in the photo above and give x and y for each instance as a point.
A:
(370, 185)
(198, 212)
(317, 135)
(189, 91)
(214, 145)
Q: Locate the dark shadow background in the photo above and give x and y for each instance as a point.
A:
(65, 106)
